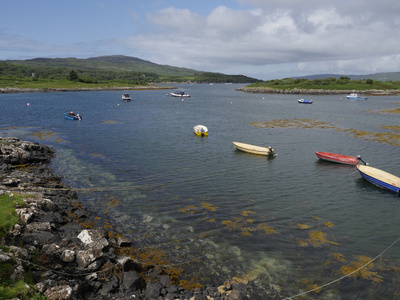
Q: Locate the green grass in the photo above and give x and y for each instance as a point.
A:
(26, 83)
(9, 288)
(8, 216)
(328, 84)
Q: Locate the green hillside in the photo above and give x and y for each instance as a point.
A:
(101, 72)
(107, 63)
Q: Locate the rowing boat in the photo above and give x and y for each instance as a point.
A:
(338, 158)
(254, 149)
(380, 178)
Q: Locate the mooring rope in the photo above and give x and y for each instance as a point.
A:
(347, 275)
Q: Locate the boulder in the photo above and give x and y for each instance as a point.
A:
(62, 292)
(68, 255)
(130, 280)
(152, 291)
(85, 257)
(93, 239)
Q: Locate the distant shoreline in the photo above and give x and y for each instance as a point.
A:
(266, 90)
(11, 90)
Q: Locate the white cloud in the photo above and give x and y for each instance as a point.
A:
(270, 34)
(298, 37)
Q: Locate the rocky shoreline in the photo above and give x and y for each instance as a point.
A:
(67, 257)
(295, 91)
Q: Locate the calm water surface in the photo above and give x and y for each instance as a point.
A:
(218, 213)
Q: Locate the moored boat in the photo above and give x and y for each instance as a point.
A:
(126, 97)
(72, 116)
(355, 96)
(200, 130)
(305, 101)
(380, 178)
(338, 158)
(179, 94)
(267, 151)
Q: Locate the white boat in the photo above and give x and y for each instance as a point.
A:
(126, 97)
(254, 149)
(355, 96)
(304, 101)
(179, 94)
(200, 130)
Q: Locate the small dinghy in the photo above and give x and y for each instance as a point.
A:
(72, 116)
(304, 101)
(200, 130)
(338, 158)
(380, 178)
(126, 97)
(255, 149)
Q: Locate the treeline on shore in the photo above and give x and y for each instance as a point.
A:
(30, 76)
(342, 84)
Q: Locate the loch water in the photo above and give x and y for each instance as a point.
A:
(217, 213)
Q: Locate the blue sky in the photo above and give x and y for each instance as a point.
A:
(266, 39)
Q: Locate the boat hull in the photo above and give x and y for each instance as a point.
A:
(254, 149)
(380, 178)
(355, 96)
(126, 97)
(72, 117)
(337, 158)
(304, 101)
(200, 130)
(179, 95)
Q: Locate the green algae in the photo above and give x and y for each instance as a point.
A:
(361, 268)
(389, 137)
(294, 123)
(47, 135)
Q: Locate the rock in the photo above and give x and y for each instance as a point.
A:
(130, 280)
(93, 239)
(152, 291)
(108, 287)
(3, 256)
(39, 238)
(68, 256)
(62, 292)
(165, 281)
(50, 248)
(86, 257)
(18, 273)
(235, 295)
(47, 205)
(123, 242)
(18, 252)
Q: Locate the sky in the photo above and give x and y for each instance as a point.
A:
(264, 39)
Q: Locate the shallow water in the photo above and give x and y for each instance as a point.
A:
(219, 213)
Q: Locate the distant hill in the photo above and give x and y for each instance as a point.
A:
(390, 76)
(117, 67)
(107, 63)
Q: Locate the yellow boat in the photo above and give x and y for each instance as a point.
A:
(254, 149)
(200, 130)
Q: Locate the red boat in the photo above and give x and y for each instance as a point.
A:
(338, 158)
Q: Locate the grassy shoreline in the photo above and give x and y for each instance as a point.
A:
(331, 86)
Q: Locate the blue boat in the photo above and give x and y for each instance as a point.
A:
(380, 178)
(72, 116)
(304, 101)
